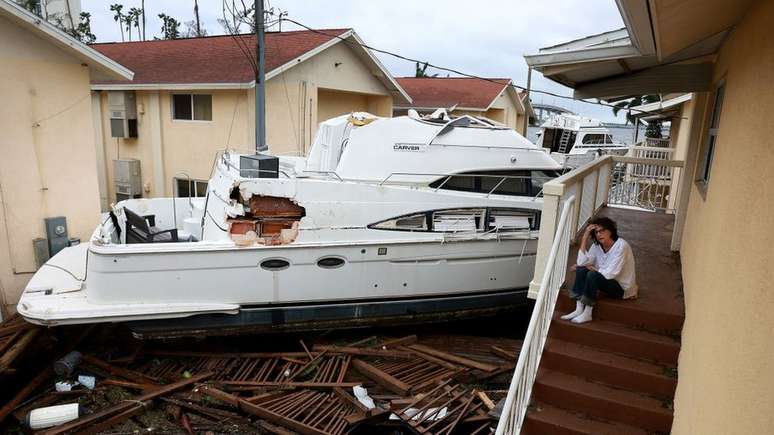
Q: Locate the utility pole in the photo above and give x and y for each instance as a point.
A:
(526, 100)
(260, 86)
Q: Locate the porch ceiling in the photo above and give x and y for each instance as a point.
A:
(668, 46)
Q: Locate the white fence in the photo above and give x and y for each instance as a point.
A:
(658, 142)
(569, 202)
(517, 401)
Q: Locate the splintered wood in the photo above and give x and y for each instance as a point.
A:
(255, 370)
(324, 389)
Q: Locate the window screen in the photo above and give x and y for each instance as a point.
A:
(709, 147)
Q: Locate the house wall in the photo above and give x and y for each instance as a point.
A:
(48, 165)
(296, 101)
(726, 366)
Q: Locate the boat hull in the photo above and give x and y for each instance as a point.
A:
(343, 314)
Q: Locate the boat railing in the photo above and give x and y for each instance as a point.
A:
(518, 398)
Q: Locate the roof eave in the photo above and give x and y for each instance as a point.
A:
(94, 59)
(595, 54)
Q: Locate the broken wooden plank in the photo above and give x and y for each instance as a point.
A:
(431, 358)
(118, 371)
(454, 358)
(17, 348)
(403, 341)
(290, 384)
(260, 412)
(22, 395)
(124, 408)
(361, 351)
(504, 354)
(384, 379)
(485, 399)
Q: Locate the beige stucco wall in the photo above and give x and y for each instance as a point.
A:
(726, 366)
(296, 101)
(47, 165)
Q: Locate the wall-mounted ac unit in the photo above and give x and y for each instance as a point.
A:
(127, 178)
(122, 108)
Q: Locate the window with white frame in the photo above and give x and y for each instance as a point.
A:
(185, 188)
(703, 174)
(192, 107)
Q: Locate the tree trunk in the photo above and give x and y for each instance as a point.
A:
(198, 24)
(142, 7)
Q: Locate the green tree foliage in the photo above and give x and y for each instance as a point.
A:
(421, 71)
(170, 27)
(634, 102)
(119, 17)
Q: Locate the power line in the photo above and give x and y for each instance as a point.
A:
(451, 70)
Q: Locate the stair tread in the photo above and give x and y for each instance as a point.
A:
(621, 330)
(608, 358)
(577, 423)
(584, 387)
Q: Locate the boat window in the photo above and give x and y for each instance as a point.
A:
(596, 139)
(330, 262)
(458, 220)
(504, 219)
(516, 183)
(275, 264)
(416, 222)
(539, 178)
(465, 220)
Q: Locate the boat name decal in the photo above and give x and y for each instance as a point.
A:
(410, 147)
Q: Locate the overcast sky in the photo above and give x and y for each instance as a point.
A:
(486, 38)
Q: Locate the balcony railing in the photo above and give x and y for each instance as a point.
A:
(517, 401)
(569, 202)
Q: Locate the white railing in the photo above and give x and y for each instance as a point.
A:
(569, 202)
(649, 152)
(517, 401)
(658, 142)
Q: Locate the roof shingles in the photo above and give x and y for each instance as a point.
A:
(465, 92)
(213, 59)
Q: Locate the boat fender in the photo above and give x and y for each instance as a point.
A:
(50, 416)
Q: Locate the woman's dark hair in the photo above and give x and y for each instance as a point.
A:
(607, 224)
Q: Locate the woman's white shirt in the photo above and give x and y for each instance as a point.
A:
(617, 263)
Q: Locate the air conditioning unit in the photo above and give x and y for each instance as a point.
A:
(127, 178)
(122, 107)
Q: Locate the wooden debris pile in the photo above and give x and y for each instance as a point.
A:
(376, 385)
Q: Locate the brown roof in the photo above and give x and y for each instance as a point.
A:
(212, 59)
(465, 92)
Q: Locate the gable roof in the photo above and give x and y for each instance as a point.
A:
(222, 61)
(464, 92)
(99, 65)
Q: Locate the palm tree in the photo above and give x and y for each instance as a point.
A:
(634, 102)
(421, 71)
(654, 127)
(118, 17)
(133, 19)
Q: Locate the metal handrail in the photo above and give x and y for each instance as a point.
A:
(520, 390)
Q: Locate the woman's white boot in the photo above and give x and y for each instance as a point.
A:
(578, 310)
(585, 316)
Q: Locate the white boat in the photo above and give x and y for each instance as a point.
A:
(574, 140)
(386, 218)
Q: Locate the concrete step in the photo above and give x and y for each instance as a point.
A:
(628, 313)
(544, 419)
(617, 338)
(577, 394)
(610, 368)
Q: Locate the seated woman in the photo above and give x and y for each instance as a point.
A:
(605, 263)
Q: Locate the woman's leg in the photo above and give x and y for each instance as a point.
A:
(576, 292)
(596, 282)
(580, 282)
